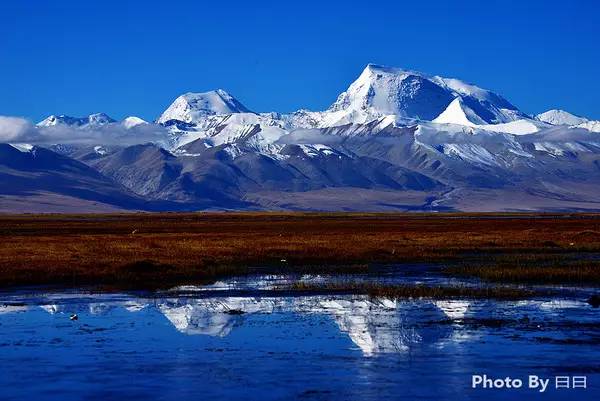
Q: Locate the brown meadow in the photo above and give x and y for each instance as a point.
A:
(147, 250)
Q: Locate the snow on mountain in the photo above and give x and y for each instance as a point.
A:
(318, 149)
(194, 107)
(381, 91)
(89, 122)
(383, 94)
(92, 120)
(471, 145)
(100, 150)
(23, 147)
(99, 119)
(458, 113)
(471, 152)
(560, 117)
(255, 132)
(593, 126)
(132, 121)
(395, 139)
(53, 120)
(517, 127)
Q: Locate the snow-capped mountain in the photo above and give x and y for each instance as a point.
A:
(378, 92)
(560, 117)
(458, 113)
(592, 126)
(394, 140)
(381, 91)
(194, 107)
(93, 120)
(133, 121)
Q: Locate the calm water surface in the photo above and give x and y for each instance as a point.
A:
(209, 343)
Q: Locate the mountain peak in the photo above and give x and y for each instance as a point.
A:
(191, 107)
(132, 121)
(384, 69)
(382, 90)
(95, 119)
(100, 119)
(379, 91)
(560, 117)
(458, 113)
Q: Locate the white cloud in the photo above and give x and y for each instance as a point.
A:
(14, 129)
(19, 130)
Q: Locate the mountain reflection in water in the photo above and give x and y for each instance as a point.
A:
(374, 325)
(223, 344)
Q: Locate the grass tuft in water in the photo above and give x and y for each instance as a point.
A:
(413, 291)
(579, 272)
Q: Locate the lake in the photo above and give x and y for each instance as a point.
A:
(221, 341)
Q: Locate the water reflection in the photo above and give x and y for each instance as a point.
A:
(12, 308)
(374, 325)
(176, 345)
(453, 309)
(379, 325)
(213, 317)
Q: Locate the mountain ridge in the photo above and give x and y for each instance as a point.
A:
(394, 140)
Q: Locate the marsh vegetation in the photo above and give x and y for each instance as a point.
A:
(154, 250)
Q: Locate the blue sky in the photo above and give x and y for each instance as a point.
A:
(134, 57)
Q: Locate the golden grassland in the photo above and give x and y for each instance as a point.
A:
(160, 249)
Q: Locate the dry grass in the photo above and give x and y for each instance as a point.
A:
(164, 248)
(528, 270)
(413, 291)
